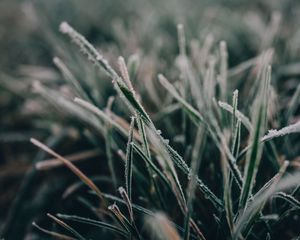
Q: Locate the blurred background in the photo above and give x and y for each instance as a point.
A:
(30, 39)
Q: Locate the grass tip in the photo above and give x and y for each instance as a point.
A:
(179, 26)
(77, 99)
(64, 27)
(56, 60)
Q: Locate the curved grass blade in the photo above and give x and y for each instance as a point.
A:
(66, 226)
(53, 234)
(94, 223)
(127, 201)
(124, 221)
(140, 210)
(293, 128)
(121, 219)
(289, 198)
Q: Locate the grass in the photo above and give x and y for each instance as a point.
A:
(174, 146)
(170, 159)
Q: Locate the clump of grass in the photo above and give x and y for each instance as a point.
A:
(240, 211)
(177, 142)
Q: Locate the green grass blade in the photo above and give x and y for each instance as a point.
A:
(236, 139)
(252, 162)
(151, 164)
(142, 132)
(129, 160)
(195, 165)
(132, 101)
(294, 103)
(223, 69)
(181, 164)
(254, 155)
(234, 109)
(199, 121)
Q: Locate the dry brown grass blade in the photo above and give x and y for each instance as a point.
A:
(53, 234)
(71, 166)
(54, 162)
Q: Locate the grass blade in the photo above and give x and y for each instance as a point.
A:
(151, 164)
(293, 128)
(289, 198)
(67, 74)
(88, 49)
(66, 226)
(132, 101)
(254, 155)
(195, 165)
(127, 201)
(53, 234)
(195, 115)
(54, 162)
(129, 160)
(71, 166)
(100, 114)
(223, 69)
(94, 223)
(246, 220)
